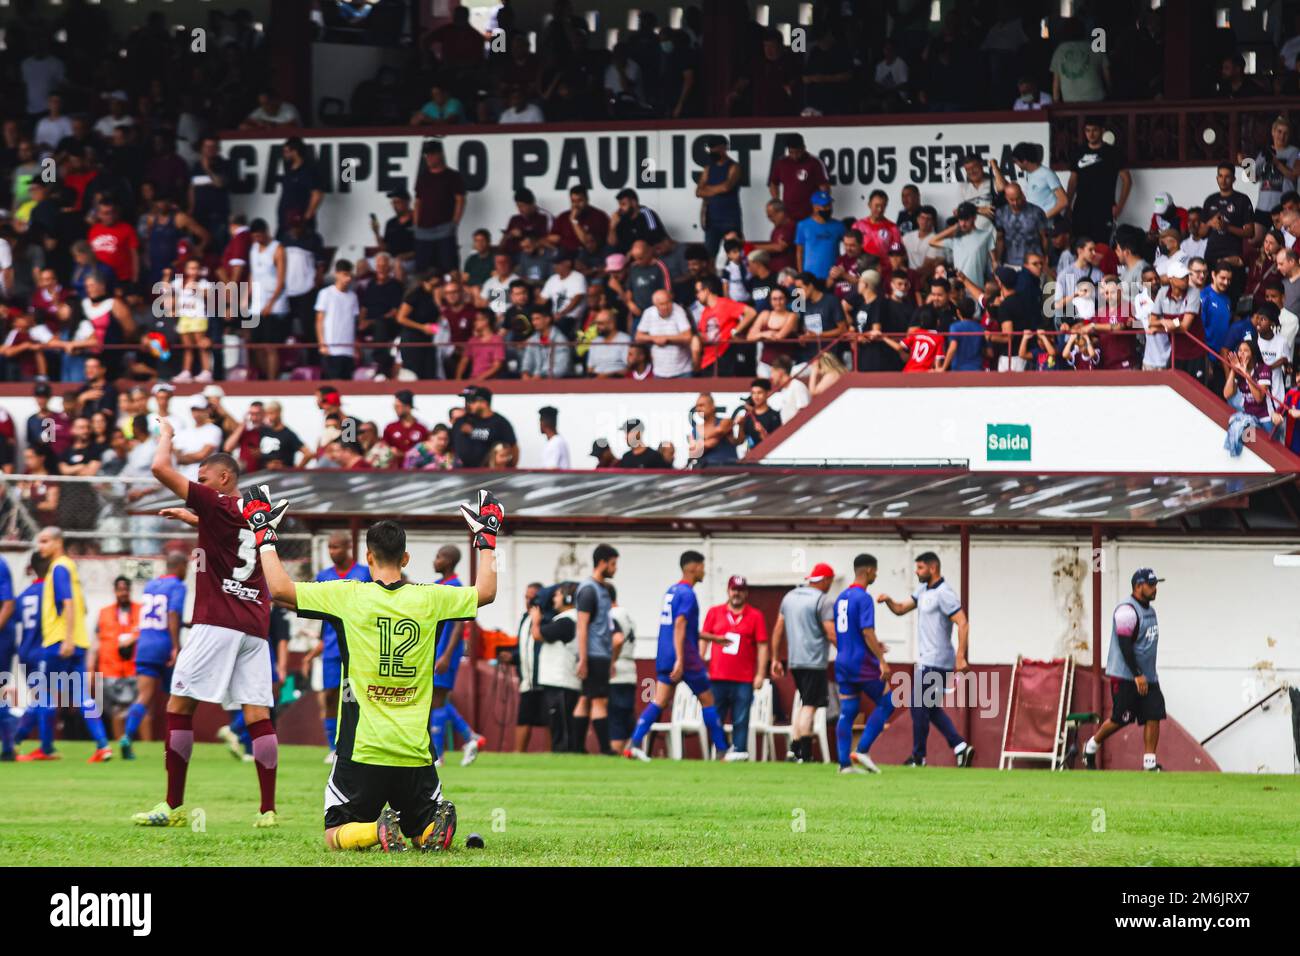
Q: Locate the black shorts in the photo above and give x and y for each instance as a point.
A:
(357, 792)
(267, 329)
(532, 709)
(622, 711)
(1128, 706)
(813, 685)
(596, 683)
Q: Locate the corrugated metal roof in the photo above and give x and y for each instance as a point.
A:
(757, 496)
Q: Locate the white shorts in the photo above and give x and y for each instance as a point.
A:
(223, 666)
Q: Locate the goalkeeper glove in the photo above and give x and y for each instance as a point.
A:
(485, 524)
(262, 516)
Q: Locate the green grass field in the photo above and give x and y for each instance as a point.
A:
(575, 811)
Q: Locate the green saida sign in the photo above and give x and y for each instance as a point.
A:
(1008, 443)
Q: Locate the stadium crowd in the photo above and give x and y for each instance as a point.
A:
(123, 264)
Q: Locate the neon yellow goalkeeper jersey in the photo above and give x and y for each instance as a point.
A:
(387, 637)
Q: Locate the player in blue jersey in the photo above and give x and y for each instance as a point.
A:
(343, 567)
(8, 646)
(162, 608)
(860, 668)
(679, 658)
(27, 612)
(450, 650)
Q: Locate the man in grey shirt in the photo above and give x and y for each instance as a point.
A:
(939, 609)
(1131, 665)
(594, 637)
(807, 618)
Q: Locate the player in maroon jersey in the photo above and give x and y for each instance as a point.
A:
(225, 659)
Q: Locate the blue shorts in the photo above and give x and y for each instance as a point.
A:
(331, 673)
(448, 680)
(156, 669)
(874, 688)
(697, 681)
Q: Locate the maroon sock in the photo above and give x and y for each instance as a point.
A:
(266, 754)
(180, 744)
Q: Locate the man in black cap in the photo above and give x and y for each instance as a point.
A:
(719, 188)
(604, 457)
(1131, 667)
(480, 429)
(407, 431)
(639, 454)
(439, 205)
(398, 237)
(556, 452)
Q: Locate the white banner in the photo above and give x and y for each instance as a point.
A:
(660, 164)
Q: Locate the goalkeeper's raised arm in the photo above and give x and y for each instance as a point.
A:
(263, 517)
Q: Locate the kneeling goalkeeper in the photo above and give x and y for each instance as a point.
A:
(384, 784)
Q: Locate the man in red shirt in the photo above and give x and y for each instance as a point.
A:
(721, 320)
(407, 432)
(234, 258)
(439, 205)
(795, 177)
(738, 667)
(923, 346)
(569, 231)
(116, 245)
(879, 235)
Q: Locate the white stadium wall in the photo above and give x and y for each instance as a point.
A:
(1074, 428)
(1218, 653)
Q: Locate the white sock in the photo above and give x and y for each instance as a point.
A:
(1148, 761)
(1091, 746)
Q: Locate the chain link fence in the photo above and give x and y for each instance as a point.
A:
(108, 516)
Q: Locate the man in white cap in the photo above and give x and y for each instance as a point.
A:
(1178, 310)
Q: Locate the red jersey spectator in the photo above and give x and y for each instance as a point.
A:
(234, 258)
(115, 243)
(407, 431)
(879, 235)
(721, 319)
(568, 231)
(795, 177)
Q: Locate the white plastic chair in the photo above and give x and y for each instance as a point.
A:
(687, 717)
(787, 730)
(760, 722)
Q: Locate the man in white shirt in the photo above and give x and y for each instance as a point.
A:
(6, 268)
(196, 442)
(54, 126)
(789, 394)
(494, 293)
(520, 110)
(566, 291)
(556, 452)
(42, 75)
(607, 353)
(667, 330)
(116, 116)
(272, 111)
(337, 310)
